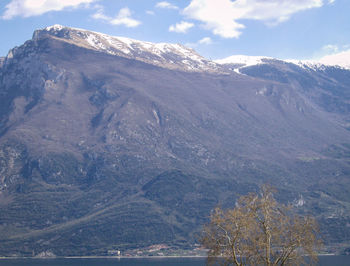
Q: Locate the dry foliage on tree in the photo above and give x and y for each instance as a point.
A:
(260, 231)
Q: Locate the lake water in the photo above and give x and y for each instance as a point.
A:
(324, 261)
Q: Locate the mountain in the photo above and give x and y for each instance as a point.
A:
(236, 62)
(329, 83)
(112, 143)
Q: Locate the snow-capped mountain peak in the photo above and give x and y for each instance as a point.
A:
(243, 60)
(175, 56)
(236, 62)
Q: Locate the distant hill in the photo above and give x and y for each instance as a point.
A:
(112, 143)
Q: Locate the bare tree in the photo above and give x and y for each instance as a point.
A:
(260, 231)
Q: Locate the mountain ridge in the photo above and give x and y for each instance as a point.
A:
(160, 54)
(176, 55)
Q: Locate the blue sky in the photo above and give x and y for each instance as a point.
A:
(285, 29)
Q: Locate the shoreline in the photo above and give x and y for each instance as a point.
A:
(125, 257)
(105, 257)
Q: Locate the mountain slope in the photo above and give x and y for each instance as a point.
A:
(326, 85)
(103, 148)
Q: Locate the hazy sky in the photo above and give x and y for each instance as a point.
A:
(285, 29)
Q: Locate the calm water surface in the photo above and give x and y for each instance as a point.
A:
(324, 261)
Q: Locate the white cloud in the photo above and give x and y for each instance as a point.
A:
(166, 5)
(181, 27)
(205, 40)
(150, 12)
(28, 8)
(122, 18)
(333, 54)
(340, 58)
(223, 17)
(330, 49)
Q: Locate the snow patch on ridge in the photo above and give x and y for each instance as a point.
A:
(243, 60)
(55, 27)
(307, 64)
(317, 65)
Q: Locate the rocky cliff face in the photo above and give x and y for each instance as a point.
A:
(111, 143)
